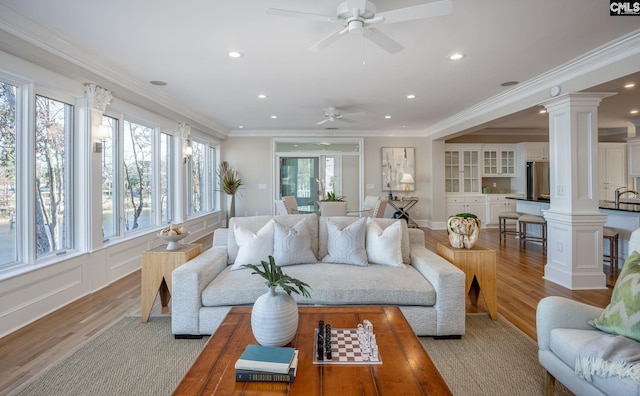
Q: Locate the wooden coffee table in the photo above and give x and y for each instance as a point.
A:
(406, 368)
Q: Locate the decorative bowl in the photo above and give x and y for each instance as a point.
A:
(173, 240)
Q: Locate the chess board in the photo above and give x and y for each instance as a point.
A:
(345, 349)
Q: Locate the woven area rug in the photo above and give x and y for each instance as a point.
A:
(133, 358)
(493, 358)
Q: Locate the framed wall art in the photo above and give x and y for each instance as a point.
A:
(396, 163)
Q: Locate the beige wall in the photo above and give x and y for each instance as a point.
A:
(253, 157)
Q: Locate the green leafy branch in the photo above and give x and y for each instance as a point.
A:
(275, 277)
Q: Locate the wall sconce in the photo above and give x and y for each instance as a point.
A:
(188, 152)
(104, 133)
(407, 181)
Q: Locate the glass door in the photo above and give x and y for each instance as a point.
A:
(298, 178)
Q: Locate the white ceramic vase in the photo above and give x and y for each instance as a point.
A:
(463, 232)
(274, 318)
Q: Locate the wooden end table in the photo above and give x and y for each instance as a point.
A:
(479, 266)
(406, 368)
(157, 265)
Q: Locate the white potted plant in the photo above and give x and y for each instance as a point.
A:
(274, 317)
(331, 204)
(229, 183)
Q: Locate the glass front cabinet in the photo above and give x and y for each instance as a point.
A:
(462, 169)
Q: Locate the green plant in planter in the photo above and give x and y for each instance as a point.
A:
(229, 180)
(332, 197)
(275, 277)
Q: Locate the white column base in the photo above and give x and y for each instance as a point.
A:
(574, 250)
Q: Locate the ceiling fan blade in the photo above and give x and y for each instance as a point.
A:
(350, 121)
(323, 121)
(382, 40)
(428, 10)
(298, 14)
(325, 42)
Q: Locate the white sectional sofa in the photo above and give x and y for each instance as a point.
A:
(428, 289)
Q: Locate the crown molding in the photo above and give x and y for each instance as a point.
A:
(58, 55)
(574, 75)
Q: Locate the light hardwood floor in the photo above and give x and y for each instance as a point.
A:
(33, 348)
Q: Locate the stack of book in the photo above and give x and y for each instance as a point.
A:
(267, 364)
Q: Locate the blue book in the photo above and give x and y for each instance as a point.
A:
(266, 358)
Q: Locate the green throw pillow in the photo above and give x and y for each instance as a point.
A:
(622, 315)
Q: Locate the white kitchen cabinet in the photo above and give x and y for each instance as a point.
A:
(497, 204)
(536, 151)
(612, 169)
(499, 160)
(633, 148)
(467, 204)
(462, 168)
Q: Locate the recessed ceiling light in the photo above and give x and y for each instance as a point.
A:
(158, 83)
(387, 117)
(240, 126)
(634, 112)
(630, 85)
(509, 83)
(274, 116)
(262, 96)
(543, 111)
(456, 56)
(411, 96)
(235, 54)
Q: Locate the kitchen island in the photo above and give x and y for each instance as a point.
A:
(625, 218)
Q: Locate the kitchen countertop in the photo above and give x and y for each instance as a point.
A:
(608, 205)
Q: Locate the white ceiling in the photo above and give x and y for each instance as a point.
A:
(186, 43)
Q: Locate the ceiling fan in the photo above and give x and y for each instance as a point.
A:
(332, 114)
(359, 15)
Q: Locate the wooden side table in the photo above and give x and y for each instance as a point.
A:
(479, 266)
(157, 265)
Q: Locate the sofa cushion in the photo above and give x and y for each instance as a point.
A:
(292, 245)
(346, 220)
(384, 245)
(331, 284)
(253, 247)
(254, 223)
(566, 343)
(346, 244)
(622, 315)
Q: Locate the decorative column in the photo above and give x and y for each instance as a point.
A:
(574, 222)
(97, 99)
(181, 174)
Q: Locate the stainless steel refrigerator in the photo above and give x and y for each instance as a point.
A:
(538, 180)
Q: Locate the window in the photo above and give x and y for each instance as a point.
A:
(8, 213)
(137, 161)
(166, 178)
(213, 178)
(53, 211)
(197, 181)
(110, 226)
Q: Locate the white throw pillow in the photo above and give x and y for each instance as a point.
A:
(384, 246)
(253, 247)
(346, 246)
(292, 245)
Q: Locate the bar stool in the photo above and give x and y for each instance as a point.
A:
(502, 223)
(612, 236)
(527, 219)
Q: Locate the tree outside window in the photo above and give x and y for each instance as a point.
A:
(138, 176)
(8, 241)
(53, 131)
